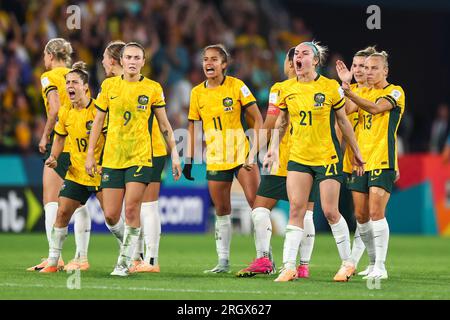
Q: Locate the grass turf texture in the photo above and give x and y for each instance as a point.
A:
(418, 269)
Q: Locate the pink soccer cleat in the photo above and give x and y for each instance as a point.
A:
(259, 266)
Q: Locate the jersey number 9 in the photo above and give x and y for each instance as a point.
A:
(127, 117)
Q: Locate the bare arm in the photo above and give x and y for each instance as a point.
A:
(380, 106)
(97, 127)
(167, 132)
(253, 112)
(57, 148)
(53, 109)
(281, 126)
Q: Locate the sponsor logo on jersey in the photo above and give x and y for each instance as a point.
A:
(319, 99)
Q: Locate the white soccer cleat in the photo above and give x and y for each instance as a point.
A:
(377, 274)
(120, 271)
(367, 271)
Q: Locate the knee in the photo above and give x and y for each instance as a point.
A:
(297, 210)
(376, 214)
(362, 217)
(331, 214)
(132, 210)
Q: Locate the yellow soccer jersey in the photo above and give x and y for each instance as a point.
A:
(55, 80)
(129, 106)
(76, 124)
(220, 110)
(283, 150)
(311, 108)
(353, 118)
(377, 135)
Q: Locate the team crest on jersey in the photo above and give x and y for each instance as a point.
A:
(143, 100)
(227, 103)
(89, 126)
(319, 99)
(105, 177)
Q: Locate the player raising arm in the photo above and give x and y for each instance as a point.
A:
(380, 115)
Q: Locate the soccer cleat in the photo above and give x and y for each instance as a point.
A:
(286, 275)
(259, 266)
(365, 272)
(77, 264)
(345, 272)
(377, 274)
(49, 269)
(303, 271)
(146, 267)
(222, 267)
(121, 271)
(44, 263)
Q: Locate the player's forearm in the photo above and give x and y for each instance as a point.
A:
(280, 129)
(95, 133)
(49, 125)
(58, 146)
(190, 140)
(364, 104)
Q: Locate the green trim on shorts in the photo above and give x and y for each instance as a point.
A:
(158, 167)
(118, 178)
(223, 175)
(319, 173)
(78, 192)
(382, 178)
(353, 182)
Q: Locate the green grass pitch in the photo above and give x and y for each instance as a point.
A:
(418, 269)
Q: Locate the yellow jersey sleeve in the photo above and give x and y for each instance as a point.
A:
(102, 100)
(48, 82)
(60, 127)
(395, 95)
(337, 95)
(158, 97)
(246, 97)
(193, 107)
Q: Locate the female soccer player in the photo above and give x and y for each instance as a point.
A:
(273, 188)
(150, 219)
(74, 122)
(360, 199)
(380, 115)
(57, 59)
(219, 102)
(129, 99)
(312, 102)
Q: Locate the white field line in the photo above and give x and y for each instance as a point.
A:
(370, 293)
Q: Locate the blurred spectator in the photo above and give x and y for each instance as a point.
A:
(440, 129)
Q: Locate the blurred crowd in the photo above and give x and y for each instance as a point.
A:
(257, 34)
